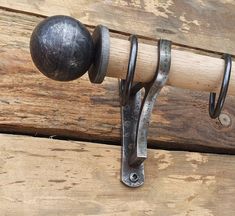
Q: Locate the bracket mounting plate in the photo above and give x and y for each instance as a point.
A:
(131, 176)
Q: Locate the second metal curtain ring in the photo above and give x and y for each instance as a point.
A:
(215, 110)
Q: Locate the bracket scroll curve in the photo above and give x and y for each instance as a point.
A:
(136, 113)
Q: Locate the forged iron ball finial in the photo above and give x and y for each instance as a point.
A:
(62, 48)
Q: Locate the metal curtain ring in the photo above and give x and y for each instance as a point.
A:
(215, 110)
(126, 91)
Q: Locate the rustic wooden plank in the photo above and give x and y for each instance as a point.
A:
(202, 24)
(51, 177)
(32, 104)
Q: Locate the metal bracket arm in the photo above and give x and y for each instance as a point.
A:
(136, 115)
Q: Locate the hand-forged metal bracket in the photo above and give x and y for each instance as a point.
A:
(136, 112)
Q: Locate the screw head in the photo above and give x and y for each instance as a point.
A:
(134, 177)
(225, 120)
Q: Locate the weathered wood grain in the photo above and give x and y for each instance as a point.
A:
(51, 177)
(32, 104)
(205, 24)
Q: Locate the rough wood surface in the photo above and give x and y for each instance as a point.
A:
(32, 104)
(205, 24)
(51, 177)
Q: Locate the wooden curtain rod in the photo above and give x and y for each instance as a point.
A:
(188, 70)
(67, 51)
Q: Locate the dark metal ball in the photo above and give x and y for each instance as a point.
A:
(62, 48)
